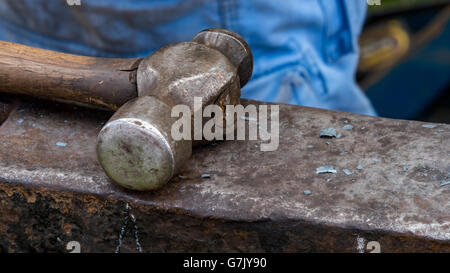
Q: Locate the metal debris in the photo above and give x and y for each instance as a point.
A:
(96, 196)
(61, 144)
(310, 146)
(326, 169)
(347, 127)
(339, 136)
(307, 192)
(360, 167)
(445, 183)
(205, 175)
(347, 172)
(343, 153)
(429, 126)
(375, 160)
(20, 121)
(328, 133)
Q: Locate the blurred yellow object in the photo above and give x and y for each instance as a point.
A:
(383, 45)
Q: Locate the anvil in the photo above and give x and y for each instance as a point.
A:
(388, 194)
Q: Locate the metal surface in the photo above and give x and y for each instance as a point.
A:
(52, 194)
(177, 73)
(231, 45)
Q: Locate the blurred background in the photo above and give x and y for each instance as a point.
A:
(404, 66)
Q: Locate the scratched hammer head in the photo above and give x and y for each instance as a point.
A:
(135, 147)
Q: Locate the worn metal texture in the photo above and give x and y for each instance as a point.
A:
(53, 191)
(231, 45)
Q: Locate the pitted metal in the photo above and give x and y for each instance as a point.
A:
(183, 71)
(253, 201)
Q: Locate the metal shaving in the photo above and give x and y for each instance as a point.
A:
(326, 169)
(329, 132)
(347, 172)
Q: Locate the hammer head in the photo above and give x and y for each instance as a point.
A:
(136, 148)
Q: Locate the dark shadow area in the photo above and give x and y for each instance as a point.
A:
(405, 60)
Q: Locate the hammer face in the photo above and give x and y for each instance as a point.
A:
(136, 149)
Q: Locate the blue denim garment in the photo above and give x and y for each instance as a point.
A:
(305, 51)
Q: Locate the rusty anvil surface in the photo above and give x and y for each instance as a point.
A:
(51, 194)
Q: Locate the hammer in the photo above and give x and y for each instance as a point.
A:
(135, 147)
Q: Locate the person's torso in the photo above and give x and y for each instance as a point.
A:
(305, 50)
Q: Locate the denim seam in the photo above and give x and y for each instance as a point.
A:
(305, 57)
(346, 28)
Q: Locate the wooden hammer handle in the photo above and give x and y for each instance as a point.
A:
(102, 82)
